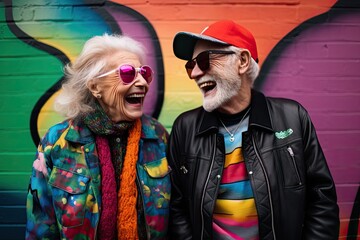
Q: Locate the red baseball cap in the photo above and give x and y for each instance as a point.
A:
(225, 32)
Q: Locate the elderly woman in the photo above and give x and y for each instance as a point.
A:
(102, 173)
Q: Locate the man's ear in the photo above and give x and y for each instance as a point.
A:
(244, 61)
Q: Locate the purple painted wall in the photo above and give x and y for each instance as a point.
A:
(318, 64)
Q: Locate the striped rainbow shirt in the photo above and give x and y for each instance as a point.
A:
(235, 215)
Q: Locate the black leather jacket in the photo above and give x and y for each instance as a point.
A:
(294, 192)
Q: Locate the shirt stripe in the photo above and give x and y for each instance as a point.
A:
(235, 172)
(235, 215)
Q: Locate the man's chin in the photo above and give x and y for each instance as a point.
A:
(209, 107)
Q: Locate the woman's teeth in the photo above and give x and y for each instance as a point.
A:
(135, 98)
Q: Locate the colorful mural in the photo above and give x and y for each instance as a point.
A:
(309, 51)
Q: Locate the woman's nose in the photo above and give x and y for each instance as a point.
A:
(140, 80)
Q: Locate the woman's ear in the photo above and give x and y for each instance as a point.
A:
(244, 61)
(94, 89)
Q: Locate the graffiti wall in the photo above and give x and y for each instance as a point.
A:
(308, 49)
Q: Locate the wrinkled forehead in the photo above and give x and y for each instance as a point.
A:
(123, 57)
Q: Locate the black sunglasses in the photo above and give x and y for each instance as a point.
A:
(203, 60)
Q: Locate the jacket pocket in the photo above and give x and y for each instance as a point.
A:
(290, 169)
(188, 172)
(69, 196)
(157, 169)
(155, 181)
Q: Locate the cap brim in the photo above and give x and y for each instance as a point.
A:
(184, 43)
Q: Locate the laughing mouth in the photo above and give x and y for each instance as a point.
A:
(135, 98)
(207, 86)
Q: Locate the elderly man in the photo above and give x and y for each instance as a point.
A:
(245, 166)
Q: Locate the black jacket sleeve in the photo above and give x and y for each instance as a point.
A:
(179, 223)
(322, 212)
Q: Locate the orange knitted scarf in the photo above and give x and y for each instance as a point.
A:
(127, 194)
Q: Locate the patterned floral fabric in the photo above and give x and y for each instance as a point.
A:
(64, 196)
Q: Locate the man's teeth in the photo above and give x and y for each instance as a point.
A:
(206, 84)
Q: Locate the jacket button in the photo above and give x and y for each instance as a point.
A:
(251, 172)
(87, 150)
(218, 176)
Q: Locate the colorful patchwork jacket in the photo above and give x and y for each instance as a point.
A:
(64, 197)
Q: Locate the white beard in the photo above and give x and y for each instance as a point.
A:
(227, 86)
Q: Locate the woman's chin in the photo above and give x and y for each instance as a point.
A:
(132, 115)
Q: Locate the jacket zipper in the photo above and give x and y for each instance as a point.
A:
(203, 195)
(267, 184)
(292, 155)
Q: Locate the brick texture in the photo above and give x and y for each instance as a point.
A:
(308, 49)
